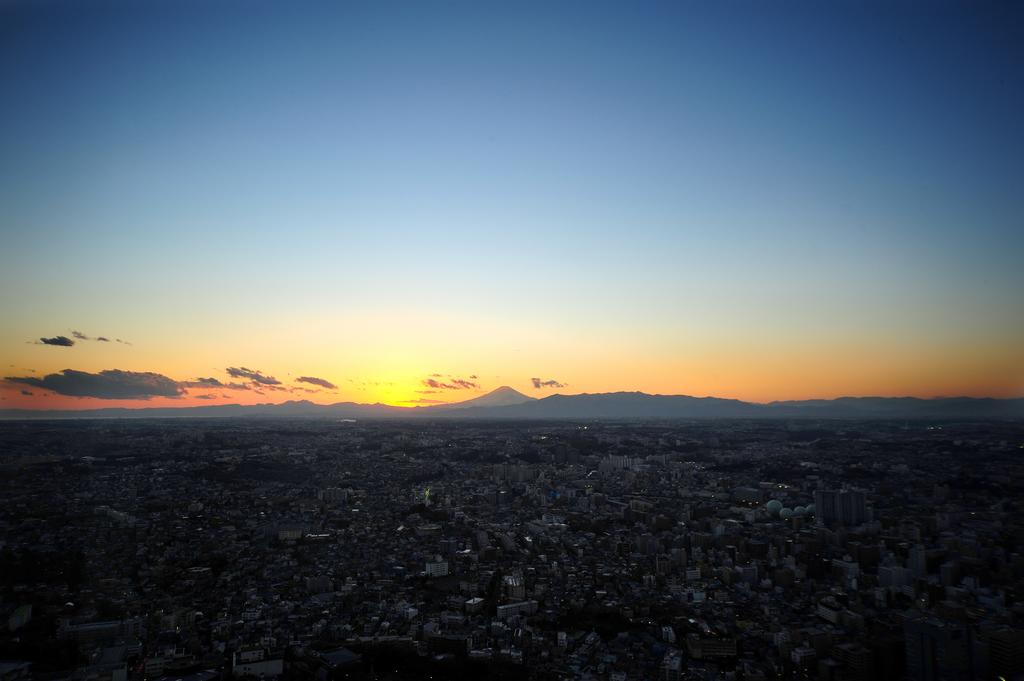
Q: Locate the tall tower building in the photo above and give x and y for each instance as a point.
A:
(853, 508)
(826, 506)
(938, 650)
(843, 507)
(917, 561)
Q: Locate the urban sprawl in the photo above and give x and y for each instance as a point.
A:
(196, 549)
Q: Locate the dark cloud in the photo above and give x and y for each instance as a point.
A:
(252, 374)
(313, 380)
(27, 392)
(110, 384)
(62, 341)
(204, 382)
(452, 384)
(102, 339)
(539, 384)
(204, 397)
(213, 383)
(474, 377)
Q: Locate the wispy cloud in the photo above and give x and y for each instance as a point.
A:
(253, 375)
(450, 384)
(204, 383)
(541, 384)
(110, 384)
(66, 342)
(102, 339)
(313, 380)
(211, 382)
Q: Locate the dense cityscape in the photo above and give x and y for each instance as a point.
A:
(555, 341)
(306, 548)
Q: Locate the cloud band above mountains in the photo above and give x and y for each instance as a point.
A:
(117, 384)
(450, 384)
(313, 380)
(110, 384)
(213, 383)
(252, 375)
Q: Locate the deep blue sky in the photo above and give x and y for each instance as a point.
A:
(664, 175)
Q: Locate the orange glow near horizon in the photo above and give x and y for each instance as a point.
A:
(368, 359)
(664, 202)
(755, 377)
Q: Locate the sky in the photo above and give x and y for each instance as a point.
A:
(418, 202)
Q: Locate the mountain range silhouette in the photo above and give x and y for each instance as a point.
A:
(508, 403)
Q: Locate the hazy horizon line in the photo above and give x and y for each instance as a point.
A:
(420, 407)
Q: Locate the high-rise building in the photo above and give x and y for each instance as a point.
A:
(917, 561)
(826, 506)
(437, 567)
(852, 507)
(856, 659)
(1006, 652)
(938, 650)
(840, 507)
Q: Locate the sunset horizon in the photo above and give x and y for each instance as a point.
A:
(593, 340)
(722, 201)
(246, 386)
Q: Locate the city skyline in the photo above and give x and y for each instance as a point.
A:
(418, 204)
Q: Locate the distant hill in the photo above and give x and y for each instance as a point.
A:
(506, 403)
(499, 397)
(623, 405)
(901, 408)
